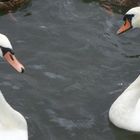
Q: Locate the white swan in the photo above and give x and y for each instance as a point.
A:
(13, 126)
(125, 111)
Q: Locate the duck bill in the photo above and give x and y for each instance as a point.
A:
(127, 25)
(11, 59)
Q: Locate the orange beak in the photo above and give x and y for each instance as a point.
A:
(11, 59)
(127, 25)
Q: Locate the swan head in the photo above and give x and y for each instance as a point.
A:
(6, 52)
(131, 20)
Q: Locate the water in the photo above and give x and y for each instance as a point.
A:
(76, 66)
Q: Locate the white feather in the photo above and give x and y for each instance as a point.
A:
(13, 126)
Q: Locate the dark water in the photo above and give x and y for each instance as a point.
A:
(76, 66)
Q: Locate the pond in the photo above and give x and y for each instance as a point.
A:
(76, 66)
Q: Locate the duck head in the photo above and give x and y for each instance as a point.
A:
(6, 52)
(131, 20)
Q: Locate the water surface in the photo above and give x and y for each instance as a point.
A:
(76, 66)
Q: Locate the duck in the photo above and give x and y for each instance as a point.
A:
(13, 125)
(125, 111)
(11, 5)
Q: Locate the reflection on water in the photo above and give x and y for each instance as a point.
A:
(117, 6)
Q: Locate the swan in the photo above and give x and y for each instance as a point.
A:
(125, 111)
(13, 125)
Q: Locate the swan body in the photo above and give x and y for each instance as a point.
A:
(125, 111)
(13, 125)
